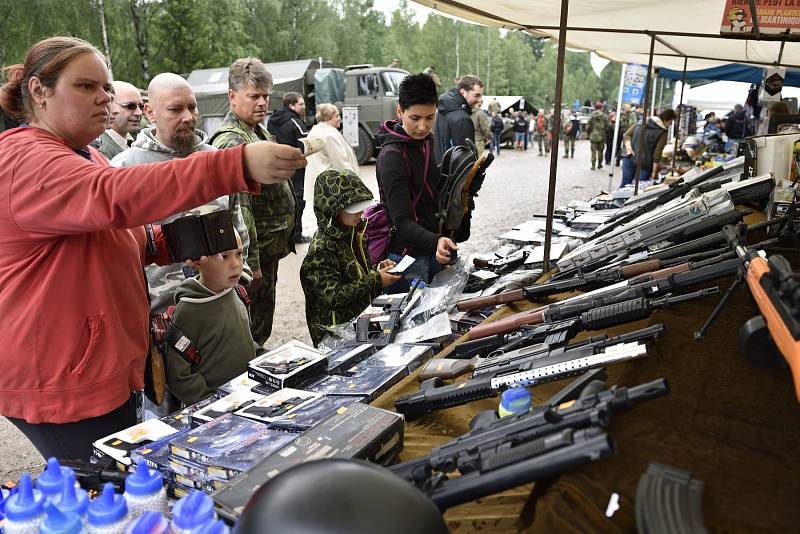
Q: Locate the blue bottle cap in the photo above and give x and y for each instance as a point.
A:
(217, 527)
(149, 523)
(514, 401)
(143, 481)
(72, 499)
(194, 510)
(108, 507)
(51, 481)
(27, 503)
(58, 522)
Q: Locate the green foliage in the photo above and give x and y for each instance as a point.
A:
(183, 35)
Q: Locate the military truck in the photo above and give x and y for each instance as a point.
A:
(372, 90)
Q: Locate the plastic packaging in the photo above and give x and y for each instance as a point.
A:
(192, 512)
(72, 499)
(144, 492)
(149, 523)
(24, 509)
(58, 522)
(108, 513)
(438, 296)
(51, 481)
(514, 401)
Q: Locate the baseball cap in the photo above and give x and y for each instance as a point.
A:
(357, 207)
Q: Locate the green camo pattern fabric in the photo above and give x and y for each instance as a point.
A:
(273, 208)
(337, 278)
(597, 126)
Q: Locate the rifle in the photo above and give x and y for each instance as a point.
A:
(634, 273)
(675, 190)
(397, 311)
(776, 290)
(592, 319)
(613, 294)
(574, 408)
(522, 368)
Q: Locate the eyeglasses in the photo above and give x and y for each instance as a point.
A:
(131, 106)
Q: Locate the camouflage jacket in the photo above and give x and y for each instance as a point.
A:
(627, 120)
(108, 146)
(597, 126)
(337, 278)
(273, 208)
(163, 280)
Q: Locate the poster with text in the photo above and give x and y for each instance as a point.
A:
(633, 88)
(773, 16)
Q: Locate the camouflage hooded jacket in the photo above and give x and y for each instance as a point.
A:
(337, 278)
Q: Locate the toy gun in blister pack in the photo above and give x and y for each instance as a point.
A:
(599, 318)
(498, 454)
(396, 311)
(504, 263)
(776, 290)
(524, 368)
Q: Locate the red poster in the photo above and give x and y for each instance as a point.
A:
(773, 16)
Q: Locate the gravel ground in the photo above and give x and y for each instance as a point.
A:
(515, 189)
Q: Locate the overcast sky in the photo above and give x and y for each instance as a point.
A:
(387, 6)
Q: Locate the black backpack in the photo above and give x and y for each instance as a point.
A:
(462, 175)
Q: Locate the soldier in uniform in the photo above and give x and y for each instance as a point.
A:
(273, 210)
(596, 128)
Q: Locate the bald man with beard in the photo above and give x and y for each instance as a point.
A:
(125, 120)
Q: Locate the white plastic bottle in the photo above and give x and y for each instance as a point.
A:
(108, 513)
(148, 523)
(58, 522)
(217, 527)
(194, 511)
(144, 492)
(72, 499)
(25, 509)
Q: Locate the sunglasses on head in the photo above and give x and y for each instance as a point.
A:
(130, 106)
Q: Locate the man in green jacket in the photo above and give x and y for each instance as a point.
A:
(271, 212)
(596, 128)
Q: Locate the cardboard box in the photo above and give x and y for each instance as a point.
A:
(355, 431)
(215, 438)
(289, 365)
(119, 445)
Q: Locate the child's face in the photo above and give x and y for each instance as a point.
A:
(349, 219)
(418, 119)
(223, 270)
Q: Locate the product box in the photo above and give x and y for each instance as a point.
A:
(366, 382)
(227, 404)
(282, 402)
(359, 431)
(246, 455)
(156, 455)
(289, 365)
(311, 413)
(408, 355)
(341, 359)
(182, 419)
(214, 438)
(120, 444)
(240, 382)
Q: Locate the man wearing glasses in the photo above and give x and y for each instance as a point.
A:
(126, 124)
(454, 123)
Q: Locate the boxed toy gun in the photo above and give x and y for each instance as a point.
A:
(365, 382)
(214, 438)
(227, 404)
(282, 402)
(119, 445)
(344, 357)
(289, 365)
(240, 382)
(311, 413)
(156, 455)
(356, 431)
(182, 419)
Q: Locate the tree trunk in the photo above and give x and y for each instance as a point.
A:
(138, 14)
(104, 29)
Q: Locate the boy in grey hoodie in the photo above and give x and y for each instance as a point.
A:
(210, 313)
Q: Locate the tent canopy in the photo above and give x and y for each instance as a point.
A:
(617, 30)
(723, 95)
(736, 72)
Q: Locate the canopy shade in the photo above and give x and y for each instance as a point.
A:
(620, 30)
(735, 72)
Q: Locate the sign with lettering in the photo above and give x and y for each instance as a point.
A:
(772, 16)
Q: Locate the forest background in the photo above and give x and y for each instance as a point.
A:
(146, 37)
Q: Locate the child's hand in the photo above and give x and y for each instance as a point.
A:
(443, 248)
(387, 278)
(386, 263)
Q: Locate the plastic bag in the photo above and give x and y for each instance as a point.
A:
(438, 296)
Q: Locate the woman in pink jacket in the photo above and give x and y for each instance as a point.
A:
(72, 294)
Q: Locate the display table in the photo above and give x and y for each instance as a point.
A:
(733, 426)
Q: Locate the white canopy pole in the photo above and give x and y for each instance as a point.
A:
(615, 141)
